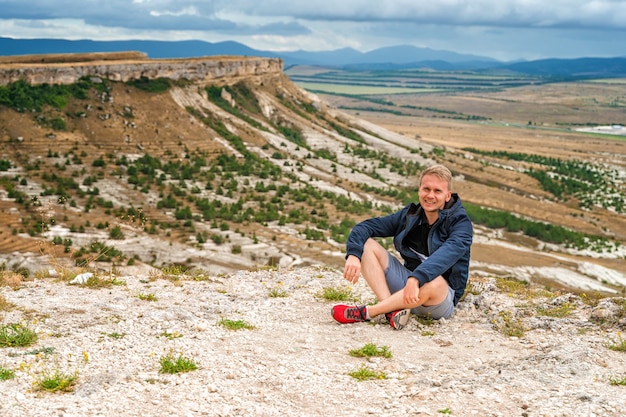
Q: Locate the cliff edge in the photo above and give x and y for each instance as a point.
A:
(69, 68)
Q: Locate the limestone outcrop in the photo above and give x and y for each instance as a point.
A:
(192, 69)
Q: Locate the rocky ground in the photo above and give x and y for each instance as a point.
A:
(295, 360)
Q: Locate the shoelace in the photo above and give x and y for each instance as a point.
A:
(356, 313)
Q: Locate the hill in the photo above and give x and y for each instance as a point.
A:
(237, 168)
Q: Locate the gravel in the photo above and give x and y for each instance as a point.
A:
(295, 360)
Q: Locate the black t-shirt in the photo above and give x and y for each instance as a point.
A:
(417, 240)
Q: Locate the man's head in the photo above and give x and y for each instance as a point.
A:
(435, 188)
(439, 171)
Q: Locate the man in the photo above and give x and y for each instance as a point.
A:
(433, 238)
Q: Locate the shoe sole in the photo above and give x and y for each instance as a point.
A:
(399, 321)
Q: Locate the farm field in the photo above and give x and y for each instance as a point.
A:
(473, 127)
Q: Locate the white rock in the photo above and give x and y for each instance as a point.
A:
(81, 278)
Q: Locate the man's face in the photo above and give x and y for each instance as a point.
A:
(433, 193)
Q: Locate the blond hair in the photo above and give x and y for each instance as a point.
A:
(440, 172)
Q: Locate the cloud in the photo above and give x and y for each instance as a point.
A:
(498, 13)
(495, 13)
(504, 29)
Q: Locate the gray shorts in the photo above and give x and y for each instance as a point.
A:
(396, 275)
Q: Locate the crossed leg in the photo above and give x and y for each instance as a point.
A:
(374, 262)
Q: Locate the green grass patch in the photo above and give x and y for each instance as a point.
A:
(16, 335)
(509, 325)
(57, 380)
(337, 294)
(147, 297)
(6, 373)
(617, 381)
(235, 324)
(370, 350)
(171, 335)
(96, 282)
(277, 293)
(563, 310)
(175, 365)
(512, 286)
(158, 85)
(361, 90)
(44, 350)
(364, 373)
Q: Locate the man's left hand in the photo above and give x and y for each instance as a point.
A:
(411, 291)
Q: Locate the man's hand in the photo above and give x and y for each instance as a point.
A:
(411, 292)
(352, 270)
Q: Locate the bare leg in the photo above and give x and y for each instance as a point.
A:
(374, 261)
(431, 293)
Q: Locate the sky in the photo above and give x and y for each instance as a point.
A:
(501, 29)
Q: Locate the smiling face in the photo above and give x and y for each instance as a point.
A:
(434, 193)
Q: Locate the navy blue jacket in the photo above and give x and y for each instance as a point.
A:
(449, 242)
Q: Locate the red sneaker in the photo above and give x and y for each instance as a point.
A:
(349, 314)
(399, 318)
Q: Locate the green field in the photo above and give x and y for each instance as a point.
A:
(608, 81)
(362, 90)
(373, 83)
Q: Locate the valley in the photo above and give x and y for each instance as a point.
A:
(255, 172)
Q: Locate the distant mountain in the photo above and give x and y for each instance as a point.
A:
(576, 68)
(404, 54)
(336, 58)
(385, 58)
(154, 49)
(388, 58)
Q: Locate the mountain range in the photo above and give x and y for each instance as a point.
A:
(388, 58)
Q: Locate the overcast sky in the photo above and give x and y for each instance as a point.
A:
(501, 29)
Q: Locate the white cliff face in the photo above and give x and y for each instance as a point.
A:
(194, 69)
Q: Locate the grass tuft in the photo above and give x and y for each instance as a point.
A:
(364, 373)
(235, 324)
(563, 310)
(95, 282)
(147, 297)
(618, 344)
(509, 325)
(6, 373)
(172, 365)
(617, 381)
(277, 293)
(371, 350)
(16, 335)
(337, 294)
(10, 279)
(57, 380)
(5, 305)
(513, 286)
